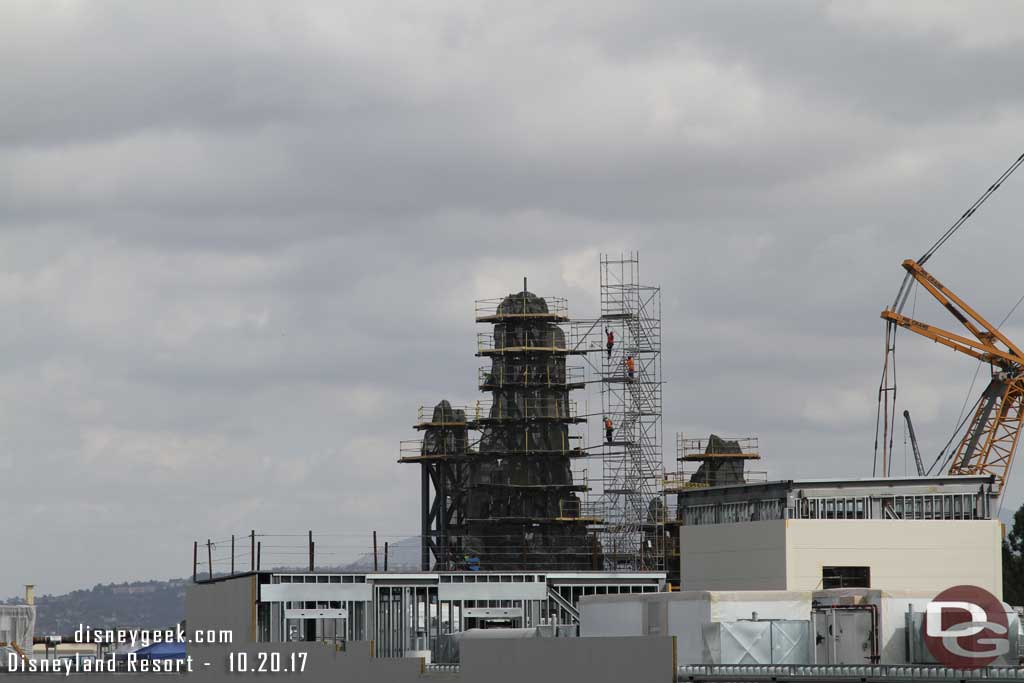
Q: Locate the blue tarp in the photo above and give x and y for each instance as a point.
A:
(162, 651)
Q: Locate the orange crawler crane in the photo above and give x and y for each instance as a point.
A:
(989, 443)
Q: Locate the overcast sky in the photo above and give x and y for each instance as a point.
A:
(240, 241)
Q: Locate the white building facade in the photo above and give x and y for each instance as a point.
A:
(897, 534)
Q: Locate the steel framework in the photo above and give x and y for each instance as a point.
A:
(631, 499)
(528, 415)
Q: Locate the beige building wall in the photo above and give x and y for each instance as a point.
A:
(916, 555)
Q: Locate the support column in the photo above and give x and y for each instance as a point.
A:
(425, 514)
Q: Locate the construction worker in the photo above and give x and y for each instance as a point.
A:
(607, 429)
(611, 341)
(630, 367)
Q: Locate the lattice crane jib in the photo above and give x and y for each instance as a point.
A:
(989, 444)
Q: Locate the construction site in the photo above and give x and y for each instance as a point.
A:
(510, 482)
(554, 524)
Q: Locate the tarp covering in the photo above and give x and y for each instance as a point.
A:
(17, 625)
(682, 614)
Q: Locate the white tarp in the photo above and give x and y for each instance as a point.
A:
(683, 614)
(688, 612)
(17, 625)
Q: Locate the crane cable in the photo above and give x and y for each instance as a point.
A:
(901, 296)
(942, 454)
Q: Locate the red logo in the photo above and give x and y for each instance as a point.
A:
(965, 627)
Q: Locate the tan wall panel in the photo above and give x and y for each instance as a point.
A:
(920, 555)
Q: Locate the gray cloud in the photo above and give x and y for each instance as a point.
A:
(239, 245)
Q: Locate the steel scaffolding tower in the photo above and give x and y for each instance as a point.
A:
(632, 500)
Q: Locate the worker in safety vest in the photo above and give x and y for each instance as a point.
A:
(611, 341)
(630, 367)
(608, 429)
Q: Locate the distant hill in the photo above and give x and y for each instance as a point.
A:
(160, 604)
(403, 555)
(142, 604)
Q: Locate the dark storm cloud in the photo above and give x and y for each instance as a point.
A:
(239, 244)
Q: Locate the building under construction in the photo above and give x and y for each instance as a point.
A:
(506, 498)
(509, 482)
(703, 463)
(811, 579)
(513, 537)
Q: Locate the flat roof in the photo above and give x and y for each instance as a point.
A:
(896, 480)
(435, 575)
(970, 480)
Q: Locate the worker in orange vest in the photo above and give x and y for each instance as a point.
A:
(611, 341)
(608, 429)
(630, 367)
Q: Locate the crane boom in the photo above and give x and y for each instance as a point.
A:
(913, 444)
(990, 441)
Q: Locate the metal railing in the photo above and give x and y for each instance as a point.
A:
(569, 508)
(570, 445)
(688, 447)
(456, 417)
(529, 375)
(549, 340)
(523, 409)
(410, 448)
(520, 307)
(675, 481)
